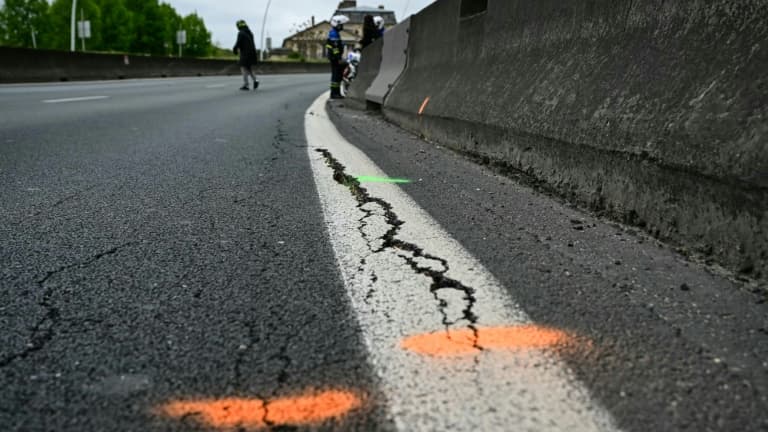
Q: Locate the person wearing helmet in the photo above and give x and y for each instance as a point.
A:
(379, 22)
(334, 48)
(246, 47)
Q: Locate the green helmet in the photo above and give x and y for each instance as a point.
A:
(241, 24)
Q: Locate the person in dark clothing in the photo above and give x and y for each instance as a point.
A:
(369, 31)
(246, 47)
(334, 48)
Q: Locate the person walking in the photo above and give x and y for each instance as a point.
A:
(334, 48)
(246, 48)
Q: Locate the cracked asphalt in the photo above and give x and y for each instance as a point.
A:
(164, 243)
(677, 345)
(390, 241)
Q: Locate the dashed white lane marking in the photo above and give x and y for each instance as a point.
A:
(77, 99)
(213, 86)
(522, 390)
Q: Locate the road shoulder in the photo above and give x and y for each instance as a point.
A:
(671, 338)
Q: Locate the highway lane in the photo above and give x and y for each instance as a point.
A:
(179, 255)
(161, 244)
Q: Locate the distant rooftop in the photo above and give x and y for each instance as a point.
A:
(365, 9)
(356, 13)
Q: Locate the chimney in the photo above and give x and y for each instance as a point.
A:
(313, 20)
(381, 7)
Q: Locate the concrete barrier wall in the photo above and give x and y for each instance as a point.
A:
(653, 112)
(393, 60)
(368, 70)
(27, 65)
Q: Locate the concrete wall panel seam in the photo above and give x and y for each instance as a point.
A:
(393, 62)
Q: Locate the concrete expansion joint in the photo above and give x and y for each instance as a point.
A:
(44, 329)
(411, 253)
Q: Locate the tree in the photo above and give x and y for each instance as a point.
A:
(59, 29)
(90, 11)
(59, 25)
(198, 37)
(137, 26)
(148, 26)
(21, 22)
(116, 26)
(171, 24)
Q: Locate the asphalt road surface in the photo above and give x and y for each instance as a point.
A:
(180, 255)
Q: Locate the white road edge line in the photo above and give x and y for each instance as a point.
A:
(77, 99)
(524, 390)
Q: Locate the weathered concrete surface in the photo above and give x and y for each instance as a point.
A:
(653, 112)
(366, 73)
(393, 60)
(27, 65)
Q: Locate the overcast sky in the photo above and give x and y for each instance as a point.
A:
(220, 15)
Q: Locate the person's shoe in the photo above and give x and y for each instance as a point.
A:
(255, 85)
(244, 88)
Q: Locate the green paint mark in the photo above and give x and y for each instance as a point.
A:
(372, 179)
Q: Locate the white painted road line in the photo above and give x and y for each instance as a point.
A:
(212, 86)
(398, 292)
(77, 99)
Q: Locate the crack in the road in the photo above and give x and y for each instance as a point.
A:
(285, 359)
(238, 373)
(282, 356)
(43, 331)
(240, 357)
(280, 137)
(390, 242)
(65, 199)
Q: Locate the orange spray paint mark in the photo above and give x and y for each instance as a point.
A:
(231, 413)
(424, 105)
(464, 342)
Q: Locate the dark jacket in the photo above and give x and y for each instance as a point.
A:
(245, 47)
(370, 32)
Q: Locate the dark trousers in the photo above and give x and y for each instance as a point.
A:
(337, 70)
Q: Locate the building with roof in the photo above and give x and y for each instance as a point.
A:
(310, 42)
(356, 14)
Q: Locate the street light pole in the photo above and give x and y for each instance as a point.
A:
(82, 36)
(263, 24)
(74, 13)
